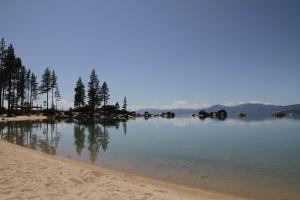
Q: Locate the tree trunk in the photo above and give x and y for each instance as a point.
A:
(52, 105)
(47, 100)
(9, 96)
(1, 96)
(30, 99)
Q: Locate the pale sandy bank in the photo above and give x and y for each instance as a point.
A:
(23, 118)
(28, 174)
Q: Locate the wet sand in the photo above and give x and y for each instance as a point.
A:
(22, 118)
(28, 174)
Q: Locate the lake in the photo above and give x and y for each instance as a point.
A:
(256, 159)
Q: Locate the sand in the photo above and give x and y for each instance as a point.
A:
(22, 118)
(29, 174)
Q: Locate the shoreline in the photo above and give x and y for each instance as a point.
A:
(22, 118)
(30, 174)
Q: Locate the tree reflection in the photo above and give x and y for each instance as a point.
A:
(50, 142)
(45, 136)
(25, 134)
(79, 137)
(93, 140)
(97, 138)
(104, 138)
(124, 128)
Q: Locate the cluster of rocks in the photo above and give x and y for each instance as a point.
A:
(220, 114)
(168, 115)
(278, 114)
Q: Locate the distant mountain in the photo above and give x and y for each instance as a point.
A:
(257, 111)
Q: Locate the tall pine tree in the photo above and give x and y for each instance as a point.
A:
(93, 92)
(104, 94)
(10, 71)
(33, 89)
(27, 85)
(46, 84)
(57, 96)
(2, 72)
(79, 97)
(53, 86)
(21, 87)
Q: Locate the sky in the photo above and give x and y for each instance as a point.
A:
(163, 54)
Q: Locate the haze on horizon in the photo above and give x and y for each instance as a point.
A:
(163, 54)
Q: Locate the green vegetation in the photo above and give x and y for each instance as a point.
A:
(104, 94)
(18, 85)
(79, 97)
(19, 89)
(46, 84)
(93, 92)
(97, 105)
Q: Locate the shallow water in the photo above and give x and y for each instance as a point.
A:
(258, 159)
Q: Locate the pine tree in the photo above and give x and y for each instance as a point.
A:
(27, 85)
(124, 104)
(53, 86)
(93, 92)
(9, 71)
(2, 72)
(79, 97)
(21, 84)
(46, 84)
(57, 95)
(117, 106)
(33, 89)
(104, 93)
(14, 79)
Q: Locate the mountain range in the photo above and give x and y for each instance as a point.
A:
(252, 110)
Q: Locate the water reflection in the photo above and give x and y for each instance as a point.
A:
(90, 140)
(97, 136)
(79, 136)
(97, 139)
(44, 135)
(26, 134)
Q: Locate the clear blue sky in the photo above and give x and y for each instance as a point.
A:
(163, 53)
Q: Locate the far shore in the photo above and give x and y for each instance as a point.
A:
(22, 118)
(29, 174)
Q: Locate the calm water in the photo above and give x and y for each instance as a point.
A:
(258, 159)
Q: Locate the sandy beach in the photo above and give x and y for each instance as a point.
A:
(22, 118)
(28, 174)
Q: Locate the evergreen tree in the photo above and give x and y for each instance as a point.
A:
(46, 84)
(21, 84)
(117, 106)
(93, 92)
(104, 93)
(79, 97)
(53, 86)
(125, 104)
(27, 85)
(33, 89)
(10, 63)
(15, 76)
(57, 95)
(2, 72)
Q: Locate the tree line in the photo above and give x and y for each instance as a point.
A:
(96, 95)
(19, 87)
